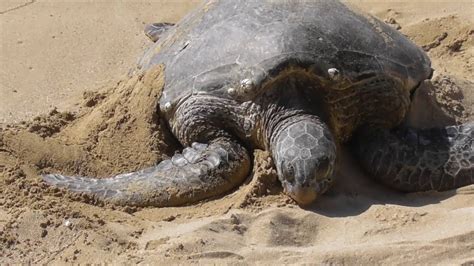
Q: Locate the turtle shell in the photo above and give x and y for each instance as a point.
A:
(231, 48)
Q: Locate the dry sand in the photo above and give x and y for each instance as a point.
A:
(74, 56)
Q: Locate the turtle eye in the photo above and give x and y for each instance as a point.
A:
(324, 165)
(289, 172)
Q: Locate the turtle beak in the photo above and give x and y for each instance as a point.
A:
(302, 195)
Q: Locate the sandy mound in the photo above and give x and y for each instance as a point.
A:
(115, 129)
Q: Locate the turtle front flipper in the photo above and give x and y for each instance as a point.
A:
(199, 172)
(155, 30)
(419, 160)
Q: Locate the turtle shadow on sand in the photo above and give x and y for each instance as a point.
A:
(354, 193)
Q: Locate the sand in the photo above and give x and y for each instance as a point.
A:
(69, 105)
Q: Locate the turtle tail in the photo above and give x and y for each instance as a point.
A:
(201, 171)
(419, 160)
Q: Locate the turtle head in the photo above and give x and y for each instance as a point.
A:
(304, 154)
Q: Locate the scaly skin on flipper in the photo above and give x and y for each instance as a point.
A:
(200, 172)
(419, 160)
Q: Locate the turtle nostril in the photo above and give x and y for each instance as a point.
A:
(289, 172)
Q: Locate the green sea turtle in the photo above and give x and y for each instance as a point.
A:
(295, 78)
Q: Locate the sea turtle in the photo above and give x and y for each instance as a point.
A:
(295, 78)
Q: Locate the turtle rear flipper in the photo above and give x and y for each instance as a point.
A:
(200, 172)
(419, 160)
(155, 30)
